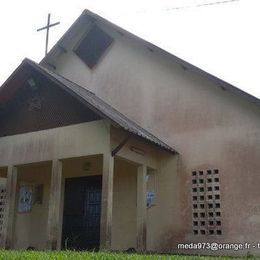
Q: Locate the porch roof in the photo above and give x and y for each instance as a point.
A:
(92, 101)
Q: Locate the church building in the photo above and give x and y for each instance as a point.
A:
(113, 143)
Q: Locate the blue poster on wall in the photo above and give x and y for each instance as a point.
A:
(150, 198)
(25, 199)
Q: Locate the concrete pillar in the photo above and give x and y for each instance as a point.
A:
(54, 205)
(141, 208)
(107, 201)
(10, 208)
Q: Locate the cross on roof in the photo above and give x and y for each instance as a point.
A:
(47, 27)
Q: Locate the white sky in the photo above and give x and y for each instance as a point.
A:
(222, 39)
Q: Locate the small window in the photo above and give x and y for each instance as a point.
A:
(202, 206)
(203, 232)
(216, 171)
(93, 46)
(202, 215)
(211, 232)
(194, 197)
(211, 214)
(217, 205)
(217, 197)
(210, 205)
(218, 214)
(209, 180)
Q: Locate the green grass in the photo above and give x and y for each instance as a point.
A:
(100, 255)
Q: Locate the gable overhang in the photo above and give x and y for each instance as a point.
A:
(14, 81)
(27, 69)
(94, 18)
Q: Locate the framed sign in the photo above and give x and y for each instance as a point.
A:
(25, 198)
(150, 199)
(151, 189)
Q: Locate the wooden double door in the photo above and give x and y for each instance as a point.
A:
(82, 211)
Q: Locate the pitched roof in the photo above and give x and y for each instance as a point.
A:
(93, 102)
(186, 65)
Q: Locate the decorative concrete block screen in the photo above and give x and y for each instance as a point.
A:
(206, 203)
(2, 207)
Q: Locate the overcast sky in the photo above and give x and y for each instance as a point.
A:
(222, 39)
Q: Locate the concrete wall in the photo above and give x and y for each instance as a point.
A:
(30, 228)
(63, 142)
(124, 206)
(149, 154)
(209, 126)
(163, 219)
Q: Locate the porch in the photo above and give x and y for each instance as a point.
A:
(40, 222)
(38, 208)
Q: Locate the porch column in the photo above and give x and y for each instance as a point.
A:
(54, 205)
(141, 208)
(107, 201)
(8, 227)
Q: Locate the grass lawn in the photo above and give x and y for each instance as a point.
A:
(100, 255)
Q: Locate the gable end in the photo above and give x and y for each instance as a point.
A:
(38, 105)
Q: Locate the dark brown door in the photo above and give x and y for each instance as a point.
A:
(81, 215)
